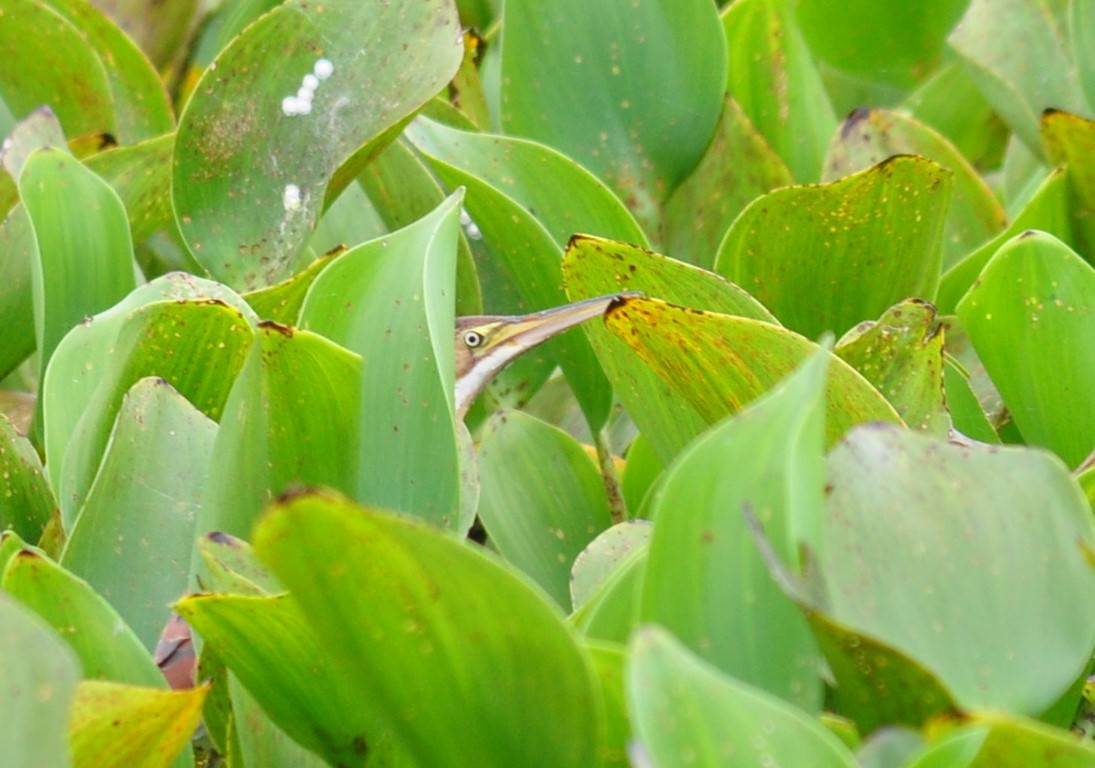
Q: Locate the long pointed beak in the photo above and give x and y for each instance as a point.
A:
(524, 332)
(520, 333)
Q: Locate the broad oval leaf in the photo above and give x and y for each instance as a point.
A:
(257, 148)
(132, 541)
(542, 500)
(38, 678)
(686, 713)
(1005, 583)
(1031, 318)
(719, 363)
(608, 83)
(725, 606)
(27, 501)
(825, 257)
(1070, 140)
(449, 636)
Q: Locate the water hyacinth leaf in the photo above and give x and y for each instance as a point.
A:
(152, 342)
(875, 684)
(773, 77)
(1082, 28)
(256, 153)
(485, 650)
(596, 267)
(682, 705)
(39, 129)
(16, 292)
(609, 660)
(291, 419)
(299, 681)
(46, 53)
(1047, 210)
(541, 500)
(85, 256)
(607, 84)
(902, 356)
(996, 739)
(951, 103)
(1030, 320)
(78, 368)
(282, 302)
(1019, 87)
(1070, 140)
(611, 610)
(257, 740)
(981, 578)
(132, 541)
(894, 42)
(719, 363)
(141, 176)
(117, 726)
(27, 501)
(231, 567)
(825, 257)
(105, 646)
(38, 678)
(870, 136)
(391, 302)
(137, 96)
(725, 606)
(596, 563)
(738, 167)
(159, 34)
(966, 414)
(527, 200)
(402, 189)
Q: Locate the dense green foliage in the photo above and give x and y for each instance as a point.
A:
(818, 494)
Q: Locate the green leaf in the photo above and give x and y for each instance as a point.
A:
(27, 501)
(141, 177)
(133, 538)
(104, 644)
(1019, 87)
(122, 726)
(608, 583)
(151, 342)
(608, 85)
(870, 136)
(596, 267)
(877, 685)
(231, 567)
(1030, 319)
(965, 411)
(542, 500)
(1047, 210)
(85, 256)
(291, 419)
(252, 170)
(994, 739)
(719, 363)
(301, 682)
(895, 43)
(686, 713)
(449, 636)
(1082, 28)
(84, 358)
(725, 605)
(825, 257)
(527, 201)
(38, 676)
(902, 356)
(391, 302)
(599, 560)
(47, 54)
(773, 77)
(1070, 140)
(1005, 582)
(16, 293)
(608, 664)
(259, 741)
(738, 167)
(137, 96)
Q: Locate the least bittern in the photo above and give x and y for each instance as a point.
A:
(485, 344)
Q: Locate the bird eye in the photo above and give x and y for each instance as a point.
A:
(473, 339)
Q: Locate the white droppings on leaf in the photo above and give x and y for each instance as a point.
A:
(290, 198)
(310, 81)
(324, 68)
